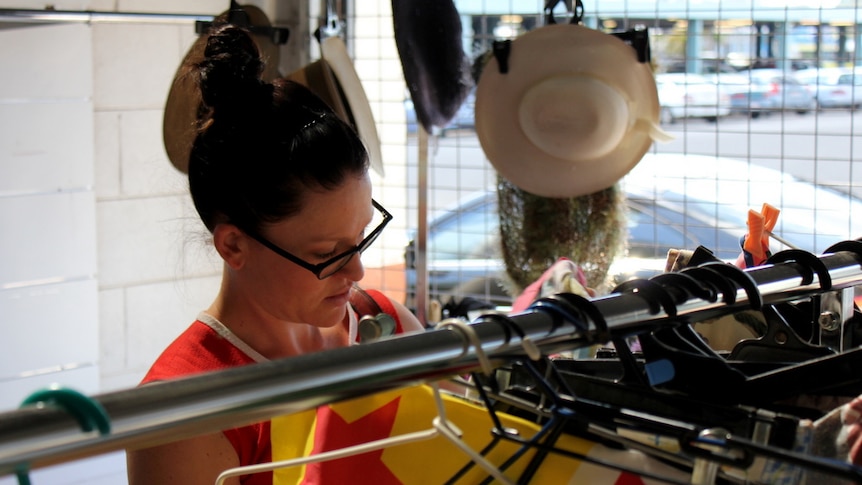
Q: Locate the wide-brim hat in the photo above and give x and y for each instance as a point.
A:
(572, 112)
(182, 108)
(333, 78)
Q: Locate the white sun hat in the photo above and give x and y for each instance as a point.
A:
(570, 112)
(358, 109)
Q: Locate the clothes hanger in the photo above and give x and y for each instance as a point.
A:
(679, 360)
(780, 342)
(623, 382)
(706, 446)
(787, 322)
(560, 418)
(89, 413)
(329, 455)
(551, 430)
(732, 381)
(575, 309)
(440, 426)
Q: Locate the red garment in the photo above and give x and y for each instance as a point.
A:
(200, 349)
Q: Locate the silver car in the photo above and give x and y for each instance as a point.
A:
(687, 95)
(833, 87)
(772, 90)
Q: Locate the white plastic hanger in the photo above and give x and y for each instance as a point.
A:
(441, 426)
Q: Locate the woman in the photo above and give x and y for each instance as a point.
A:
(282, 184)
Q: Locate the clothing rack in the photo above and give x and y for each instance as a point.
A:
(36, 436)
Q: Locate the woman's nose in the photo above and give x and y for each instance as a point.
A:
(354, 269)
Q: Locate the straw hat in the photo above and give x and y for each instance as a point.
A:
(571, 115)
(332, 78)
(184, 99)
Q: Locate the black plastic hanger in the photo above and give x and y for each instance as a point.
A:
(780, 343)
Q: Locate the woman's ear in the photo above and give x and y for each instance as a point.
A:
(231, 244)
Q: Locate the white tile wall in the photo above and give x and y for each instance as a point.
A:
(50, 62)
(112, 332)
(140, 240)
(134, 64)
(47, 237)
(144, 166)
(46, 146)
(48, 327)
(107, 154)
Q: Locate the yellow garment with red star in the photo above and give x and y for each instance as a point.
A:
(436, 460)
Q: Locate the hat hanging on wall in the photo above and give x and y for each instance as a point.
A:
(182, 107)
(333, 78)
(436, 69)
(566, 110)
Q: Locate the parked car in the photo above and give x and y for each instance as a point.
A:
(463, 119)
(674, 201)
(745, 97)
(687, 95)
(833, 87)
(769, 91)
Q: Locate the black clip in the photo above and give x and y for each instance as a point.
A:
(501, 49)
(639, 40)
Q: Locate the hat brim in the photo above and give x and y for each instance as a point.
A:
(555, 50)
(182, 108)
(334, 52)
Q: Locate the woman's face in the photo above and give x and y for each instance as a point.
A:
(330, 223)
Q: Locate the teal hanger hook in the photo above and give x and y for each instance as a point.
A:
(89, 413)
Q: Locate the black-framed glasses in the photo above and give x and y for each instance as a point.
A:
(335, 263)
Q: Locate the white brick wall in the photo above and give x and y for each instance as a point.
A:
(48, 288)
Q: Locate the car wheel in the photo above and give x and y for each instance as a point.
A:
(754, 115)
(666, 116)
(711, 119)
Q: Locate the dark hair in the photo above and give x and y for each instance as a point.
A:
(261, 146)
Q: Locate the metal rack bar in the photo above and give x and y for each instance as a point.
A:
(61, 16)
(172, 410)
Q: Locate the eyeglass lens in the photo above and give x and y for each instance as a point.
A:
(375, 227)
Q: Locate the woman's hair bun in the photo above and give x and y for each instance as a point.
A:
(230, 73)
